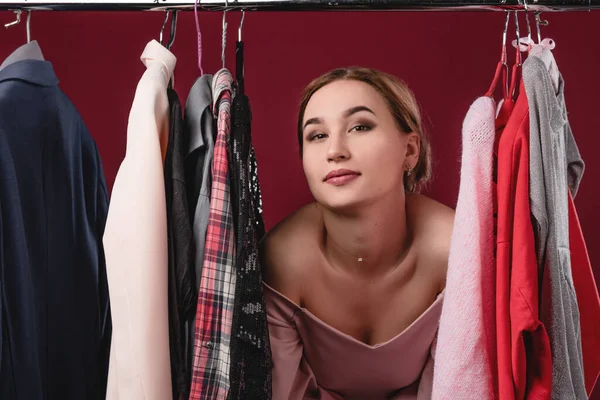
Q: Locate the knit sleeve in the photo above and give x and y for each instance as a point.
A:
(464, 363)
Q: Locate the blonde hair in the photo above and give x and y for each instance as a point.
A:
(401, 102)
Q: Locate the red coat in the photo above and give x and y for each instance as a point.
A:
(524, 357)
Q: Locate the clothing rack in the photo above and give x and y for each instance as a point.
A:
(303, 5)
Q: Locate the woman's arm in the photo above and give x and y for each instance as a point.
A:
(286, 347)
(285, 259)
(293, 378)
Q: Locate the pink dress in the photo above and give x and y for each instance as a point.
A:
(313, 360)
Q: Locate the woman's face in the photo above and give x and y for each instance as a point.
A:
(353, 151)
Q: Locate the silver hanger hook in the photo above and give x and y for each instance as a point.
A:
(517, 31)
(518, 34)
(527, 20)
(537, 26)
(173, 30)
(505, 30)
(539, 21)
(160, 37)
(16, 21)
(224, 34)
(241, 25)
(28, 26)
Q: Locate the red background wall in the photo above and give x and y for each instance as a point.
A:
(448, 59)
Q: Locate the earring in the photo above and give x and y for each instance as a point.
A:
(408, 170)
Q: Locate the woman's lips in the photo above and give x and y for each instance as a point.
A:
(341, 180)
(341, 177)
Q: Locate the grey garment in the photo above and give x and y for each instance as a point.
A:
(554, 166)
(201, 128)
(200, 124)
(575, 164)
(29, 51)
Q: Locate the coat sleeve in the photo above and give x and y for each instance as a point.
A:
(103, 300)
(135, 243)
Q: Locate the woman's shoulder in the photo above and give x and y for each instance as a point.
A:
(429, 212)
(290, 250)
(432, 224)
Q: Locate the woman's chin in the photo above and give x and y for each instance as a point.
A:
(343, 204)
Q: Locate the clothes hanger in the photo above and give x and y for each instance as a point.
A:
(199, 36)
(239, 58)
(539, 22)
(502, 68)
(241, 25)
(547, 57)
(527, 41)
(18, 21)
(160, 36)
(28, 26)
(30, 50)
(518, 61)
(224, 34)
(173, 31)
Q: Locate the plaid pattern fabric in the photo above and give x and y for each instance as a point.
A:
(210, 375)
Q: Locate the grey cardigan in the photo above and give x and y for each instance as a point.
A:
(554, 166)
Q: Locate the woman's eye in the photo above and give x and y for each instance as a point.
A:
(361, 128)
(317, 136)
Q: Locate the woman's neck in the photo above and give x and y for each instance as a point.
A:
(369, 242)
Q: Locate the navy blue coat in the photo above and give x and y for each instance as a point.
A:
(55, 322)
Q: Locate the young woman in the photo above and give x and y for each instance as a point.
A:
(354, 281)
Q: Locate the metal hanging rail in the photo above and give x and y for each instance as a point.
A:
(303, 5)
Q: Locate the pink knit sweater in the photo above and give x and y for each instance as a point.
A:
(465, 356)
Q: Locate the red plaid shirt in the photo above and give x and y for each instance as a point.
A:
(210, 375)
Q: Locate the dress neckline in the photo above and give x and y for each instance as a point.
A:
(421, 319)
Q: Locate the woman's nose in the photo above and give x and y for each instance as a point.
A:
(338, 150)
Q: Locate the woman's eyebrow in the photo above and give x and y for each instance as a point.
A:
(356, 109)
(313, 121)
(347, 113)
